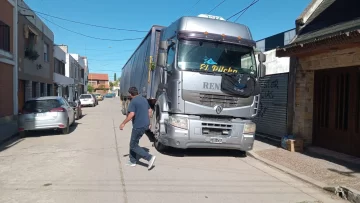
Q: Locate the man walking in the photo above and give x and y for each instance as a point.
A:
(139, 112)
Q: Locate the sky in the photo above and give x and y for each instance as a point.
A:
(265, 18)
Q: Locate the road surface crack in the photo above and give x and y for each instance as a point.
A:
(120, 165)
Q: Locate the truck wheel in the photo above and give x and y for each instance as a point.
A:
(158, 145)
(126, 106)
(123, 110)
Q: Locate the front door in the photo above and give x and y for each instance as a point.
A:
(337, 110)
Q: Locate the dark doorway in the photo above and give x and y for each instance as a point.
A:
(337, 110)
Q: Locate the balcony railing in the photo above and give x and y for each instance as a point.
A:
(4, 36)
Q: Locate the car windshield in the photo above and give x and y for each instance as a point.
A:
(41, 105)
(85, 96)
(215, 57)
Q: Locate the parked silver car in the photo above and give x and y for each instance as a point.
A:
(46, 113)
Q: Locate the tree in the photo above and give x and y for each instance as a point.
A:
(114, 76)
(111, 85)
(90, 88)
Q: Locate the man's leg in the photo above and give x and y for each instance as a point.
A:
(132, 154)
(134, 145)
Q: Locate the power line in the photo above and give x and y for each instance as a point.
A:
(104, 39)
(254, 2)
(193, 6)
(216, 6)
(88, 24)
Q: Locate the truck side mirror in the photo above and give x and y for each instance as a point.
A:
(262, 57)
(163, 45)
(162, 59)
(262, 69)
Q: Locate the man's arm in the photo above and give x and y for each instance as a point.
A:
(129, 117)
(131, 114)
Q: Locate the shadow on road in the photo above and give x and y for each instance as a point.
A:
(198, 152)
(204, 153)
(6, 144)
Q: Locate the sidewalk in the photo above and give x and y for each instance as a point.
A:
(8, 127)
(326, 169)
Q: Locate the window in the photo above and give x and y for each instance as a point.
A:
(46, 52)
(170, 57)
(215, 57)
(41, 105)
(4, 36)
(31, 38)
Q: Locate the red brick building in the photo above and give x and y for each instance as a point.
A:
(324, 78)
(99, 81)
(8, 70)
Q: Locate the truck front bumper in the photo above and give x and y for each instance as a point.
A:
(194, 136)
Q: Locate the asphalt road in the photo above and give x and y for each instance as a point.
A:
(88, 165)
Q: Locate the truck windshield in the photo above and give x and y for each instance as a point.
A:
(215, 57)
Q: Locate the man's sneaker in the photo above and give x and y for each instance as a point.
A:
(151, 162)
(129, 163)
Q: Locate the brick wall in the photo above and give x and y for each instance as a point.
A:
(304, 86)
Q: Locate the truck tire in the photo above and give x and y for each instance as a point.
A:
(158, 145)
(123, 107)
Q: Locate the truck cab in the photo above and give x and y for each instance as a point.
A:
(191, 109)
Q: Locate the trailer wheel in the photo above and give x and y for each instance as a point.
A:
(123, 110)
(158, 145)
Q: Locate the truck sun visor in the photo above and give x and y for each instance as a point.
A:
(242, 85)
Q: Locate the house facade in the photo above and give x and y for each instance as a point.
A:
(35, 56)
(62, 83)
(99, 82)
(325, 75)
(8, 68)
(86, 74)
(80, 73)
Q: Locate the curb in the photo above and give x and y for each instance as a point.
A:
(15, 136)
(346, 193)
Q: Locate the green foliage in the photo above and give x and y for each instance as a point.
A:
(90, 88)
(31, 54)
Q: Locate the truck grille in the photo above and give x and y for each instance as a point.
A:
(212, 99)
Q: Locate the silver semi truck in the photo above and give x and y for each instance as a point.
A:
(182, 69)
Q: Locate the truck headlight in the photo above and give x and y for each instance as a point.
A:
(178, 121)
(249, 128)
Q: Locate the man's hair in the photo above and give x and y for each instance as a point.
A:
(133, 91)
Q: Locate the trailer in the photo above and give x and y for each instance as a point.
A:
(200, 77)
(138, 70)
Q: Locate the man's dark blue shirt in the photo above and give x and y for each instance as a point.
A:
(140, 106)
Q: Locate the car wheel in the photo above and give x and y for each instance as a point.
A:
(66, 130)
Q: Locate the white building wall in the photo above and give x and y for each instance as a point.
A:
(275, 65)
(59, 54)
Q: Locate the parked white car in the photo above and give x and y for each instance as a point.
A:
(46, 113)
(87, 100)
